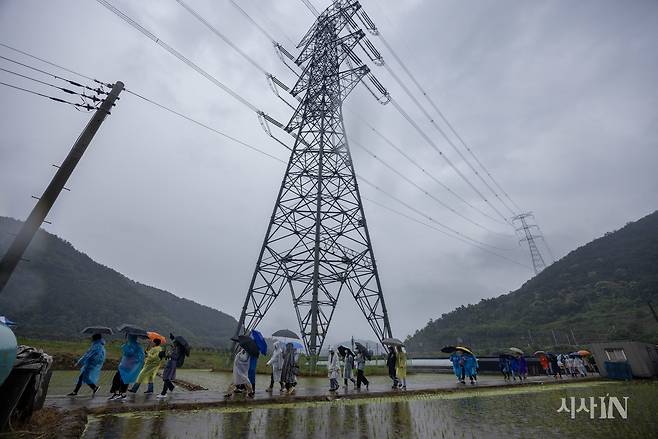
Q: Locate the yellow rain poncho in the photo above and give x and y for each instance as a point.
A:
(152, 364)
(401, 364)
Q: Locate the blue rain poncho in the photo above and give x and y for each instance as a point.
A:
(92, 362)
(470, 365)
(132, 360)
(455, 359)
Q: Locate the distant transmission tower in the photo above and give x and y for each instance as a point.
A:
(530, 233)
(317, 243)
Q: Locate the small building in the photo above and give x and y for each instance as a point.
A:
(641, 357)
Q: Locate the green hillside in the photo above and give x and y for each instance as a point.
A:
(597, 292)
(61, 290)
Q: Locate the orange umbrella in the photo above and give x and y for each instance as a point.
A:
(584, 353)
(154, 335)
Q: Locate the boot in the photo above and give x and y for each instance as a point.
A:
(149, 388)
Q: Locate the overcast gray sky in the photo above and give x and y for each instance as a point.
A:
(558, 99)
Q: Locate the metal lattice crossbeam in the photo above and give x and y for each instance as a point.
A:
(317, 244)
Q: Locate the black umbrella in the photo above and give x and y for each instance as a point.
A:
(129, 329)
(286, 333)
(248, 344)
(181, 340)
(448, 349)
(343, 350)
(364, 350)
(97, 330)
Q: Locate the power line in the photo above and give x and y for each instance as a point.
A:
(252, 21)
(447, 139)
(151, 101)
(84, 106)
(463, 236)
(54, 65)
(417, 186)
(221, 35)
(178, 55)
(261, 28)
(388, 141)
(65, 90)
(445, 158)
(262, 70)
(201, 124)
(425, 171)
(409, 217)
(470, 240)
(77, 84)
(444, 118)
(427, 138)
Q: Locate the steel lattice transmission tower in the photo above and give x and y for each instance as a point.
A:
(317, 243)
(530, 233)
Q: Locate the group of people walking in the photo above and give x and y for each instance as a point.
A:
(343, 362)
(136, 366)
(285, 369)
(513, 367)
(560, 365)
(464, 364)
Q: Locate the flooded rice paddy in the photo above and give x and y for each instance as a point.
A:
(528, 411)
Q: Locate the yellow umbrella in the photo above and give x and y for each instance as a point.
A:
(463, 349)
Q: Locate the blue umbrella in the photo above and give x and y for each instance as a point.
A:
(260, 341)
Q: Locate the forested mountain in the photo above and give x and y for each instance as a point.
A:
(60, 290)
(597, 292)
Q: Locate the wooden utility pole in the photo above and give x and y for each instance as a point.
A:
(31, 225)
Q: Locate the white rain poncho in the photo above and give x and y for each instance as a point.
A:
(241, 368)
(333, 367)
(276, 361)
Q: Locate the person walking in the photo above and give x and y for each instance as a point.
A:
(470, 367)
(132, 360)
(523, 368)
(333, 369)
(253, 364)
(240, 375)
(276, 362)
(175, 358)
(553, 364)
(545, 364)
(514, 367)
(391, 363)
(580, 366)
(91, 364)
(360, 370)
(290, 369)
(504, 366)
(457, 366)
(348, 367)
(401, 367)
(152, 364)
